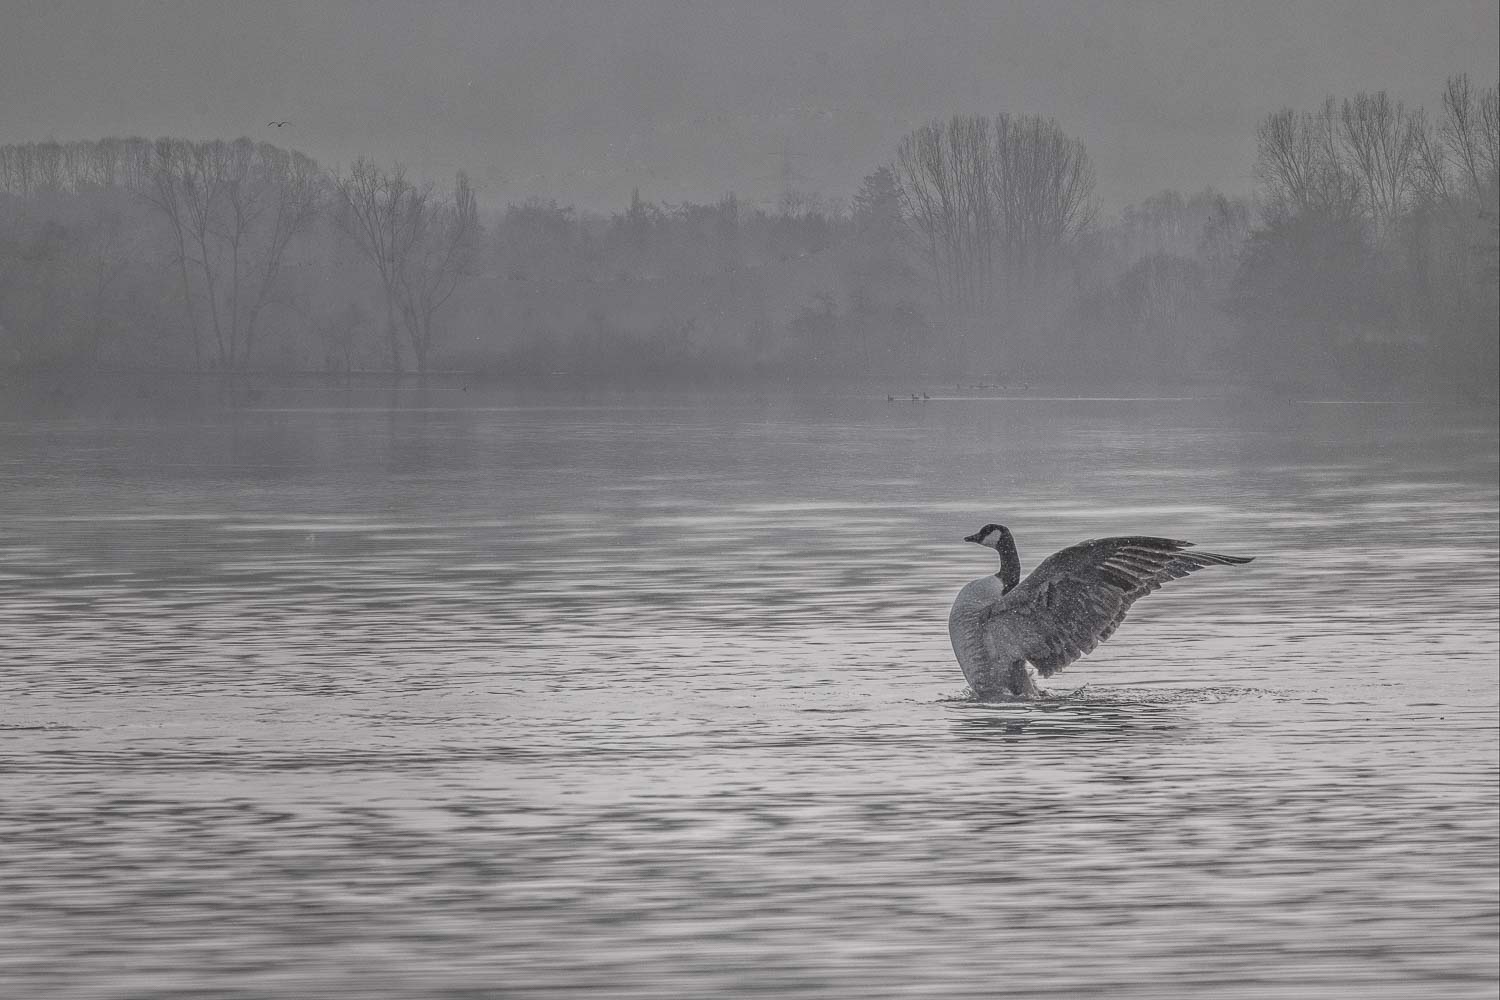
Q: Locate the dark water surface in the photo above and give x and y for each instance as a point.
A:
(451, 693)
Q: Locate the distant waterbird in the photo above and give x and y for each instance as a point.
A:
(278, 124)
(1072, 601)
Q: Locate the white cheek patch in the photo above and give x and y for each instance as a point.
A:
(992, 540)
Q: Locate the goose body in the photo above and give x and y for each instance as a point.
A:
(1072, 601)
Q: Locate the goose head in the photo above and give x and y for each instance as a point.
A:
(990, 536)
(997, 537)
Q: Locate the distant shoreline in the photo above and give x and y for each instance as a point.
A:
(163, 383)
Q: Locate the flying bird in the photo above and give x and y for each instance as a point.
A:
(278, 124)
(1068, 605)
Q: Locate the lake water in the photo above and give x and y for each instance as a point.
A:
(464, 692)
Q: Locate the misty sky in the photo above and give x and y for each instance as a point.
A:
(583, 101)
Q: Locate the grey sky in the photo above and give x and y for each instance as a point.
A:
(582, 102)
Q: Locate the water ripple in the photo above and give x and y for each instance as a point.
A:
(643, 698)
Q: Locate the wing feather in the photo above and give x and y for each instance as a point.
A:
(1077, 597)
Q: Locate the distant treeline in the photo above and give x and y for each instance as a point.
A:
(1367, 258)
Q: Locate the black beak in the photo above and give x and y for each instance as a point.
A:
(976, 537)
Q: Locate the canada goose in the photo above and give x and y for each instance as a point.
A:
(1068, 605)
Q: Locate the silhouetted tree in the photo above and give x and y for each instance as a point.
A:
(1044, 183)
(1380, 141)
(988, 205)
(945, 173)
(1367, 261)
(233, 209)
(422, 245)
(1470, 133)
(381, 213)
(1299, 167)
(446, 251)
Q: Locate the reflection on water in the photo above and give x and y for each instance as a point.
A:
(537, 693)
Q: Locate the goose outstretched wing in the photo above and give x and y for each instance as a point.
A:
(1077, 597)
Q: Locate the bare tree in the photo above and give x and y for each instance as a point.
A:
(1429, 161)
(1379, 140)
(168, 194)
(979, 232)
(1299, 166)
(18, 168)
(1284, 158)
(989, 202)
(274, 201)
(445, 252)
(944, 175)
(76, 167)
(137, 157)
(929, 201)
(378, 213)
(49, 166)
(1044, 183)
(1489, 132)
(1460, 130)
(421, 245)
(233, 209)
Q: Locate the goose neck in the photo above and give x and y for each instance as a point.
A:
(1010, 562)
